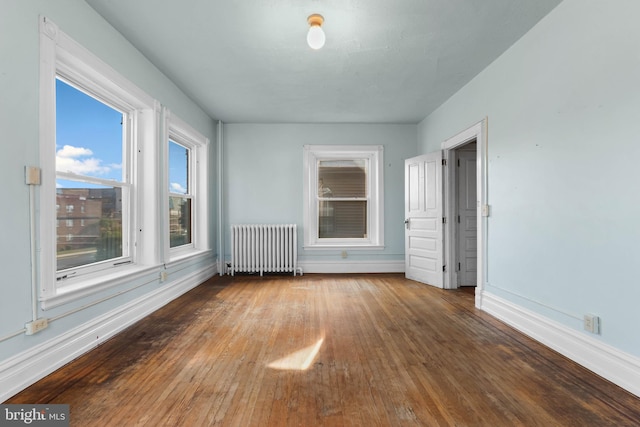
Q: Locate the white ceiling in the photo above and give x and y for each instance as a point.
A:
(385, 61)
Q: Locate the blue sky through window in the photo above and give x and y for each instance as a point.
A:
(89, 141)
(88, 135)
(178, 168)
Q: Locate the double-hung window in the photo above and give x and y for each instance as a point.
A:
(187, 160)
(94, 125)
(343, 193)
(92, 143)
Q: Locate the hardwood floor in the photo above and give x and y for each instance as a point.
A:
(353, 350)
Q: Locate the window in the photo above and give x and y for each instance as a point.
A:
(187, 160)
(90, 147)
(343, 196)
(180, 197)
(93, 124)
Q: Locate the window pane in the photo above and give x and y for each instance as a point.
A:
(98, 234)
(342, 219)
(179, 221)
(89, 135)
(178, 168)
(342, 178)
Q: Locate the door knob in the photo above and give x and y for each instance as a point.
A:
(406, 223)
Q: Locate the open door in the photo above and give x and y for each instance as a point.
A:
(423, 219)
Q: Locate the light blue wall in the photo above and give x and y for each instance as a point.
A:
(19, 85)
(563, 108)
(263, 176)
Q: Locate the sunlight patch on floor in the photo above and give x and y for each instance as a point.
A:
(298, 360)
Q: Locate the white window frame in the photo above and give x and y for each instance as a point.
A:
(94, 88)
(373, 154)
(62, 56)
(179, 131)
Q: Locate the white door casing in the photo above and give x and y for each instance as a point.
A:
(423, 219)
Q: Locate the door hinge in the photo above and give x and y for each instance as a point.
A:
(444, 162)
(458, 219)
(459, 267)
(458, 162)
(444, 268)
(444, 219)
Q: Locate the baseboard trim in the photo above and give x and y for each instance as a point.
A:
(352, 266)
(616, 366)
(24, 369)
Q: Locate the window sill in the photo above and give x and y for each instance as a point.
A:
(329, 246)
(84, 286)
(191, 255)
(91, 284)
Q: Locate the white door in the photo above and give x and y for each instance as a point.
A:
(423, 219)
(467, 251)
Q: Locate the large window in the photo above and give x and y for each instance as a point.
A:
(91, 186)
(343, 196)
(94, 125)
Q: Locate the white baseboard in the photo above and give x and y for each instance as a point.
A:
(26, 368)
(616, 366)
(352, 266)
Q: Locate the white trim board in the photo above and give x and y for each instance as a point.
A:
(616, 366)
(24, 369)
(385, 266)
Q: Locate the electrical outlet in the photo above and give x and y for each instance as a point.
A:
(592, 323)
(32, 175)
(36, 326)
(344, 254)
(163, 276)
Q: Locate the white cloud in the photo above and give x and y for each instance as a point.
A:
(71, 151)
(177, 188)
(70, 159)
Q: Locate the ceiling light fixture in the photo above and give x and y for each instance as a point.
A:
(315, 36)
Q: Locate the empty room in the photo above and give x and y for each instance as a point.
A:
(320, 212)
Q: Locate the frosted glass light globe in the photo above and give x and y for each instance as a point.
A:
(315, 37)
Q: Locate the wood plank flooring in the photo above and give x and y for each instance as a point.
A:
(328, 350)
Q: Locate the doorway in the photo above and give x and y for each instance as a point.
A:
(466, 251)
(465, 224)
